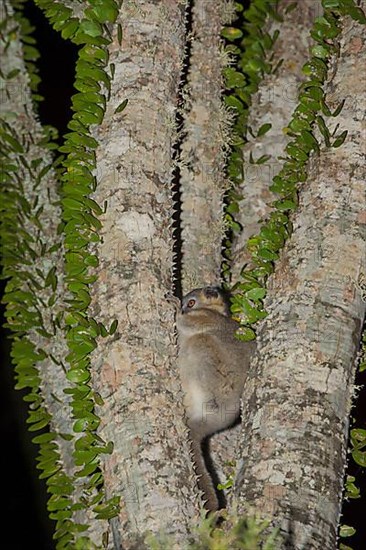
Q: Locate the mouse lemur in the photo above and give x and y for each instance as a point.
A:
(213, 366)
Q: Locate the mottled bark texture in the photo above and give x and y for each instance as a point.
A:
(202, 158)
(299, 394)
(16, 109)
(274, 103)
(135, 372)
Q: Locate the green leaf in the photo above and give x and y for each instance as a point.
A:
(73, 204)
(92, 260)
(358, 437)
(69, 30)
(92, 28)
(359, 457)
(232, 208)
(89, 70)
(113, 327)
(313, 92)
(12, 74)
(121, 106)
(93, 221)
(112, 503)
(256, 64)
(58, 503)
(93, 205)
(84, 457)
(285, 204)
(51, 279)
(234, 102)
(323, 130)
(351, 490)
(14, 143)
(316, 67)
(309, 140)
(78, 375)
(262, 159)
(80, 425)
(104, 12)
(281, 185)
(264, 129)
(231, 33)
(82, 139)
(340, 139)
(86, 84)
(295, 152)
(234, 79)
(59, 516)
(98, 399)
(119, 33)
(256, 293)
(297, 124)
(291, 7)
(324, 108)
(357, 14)
(245, 333)
(346, 531)
(39, 425)
(88, 469)
(320, 50)
(266, 254)
(44, 438)
(339, 108)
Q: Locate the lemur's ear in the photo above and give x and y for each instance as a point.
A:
(212, 292)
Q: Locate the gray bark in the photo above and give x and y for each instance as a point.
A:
(274, 102)
(202, 160)
(134, 372)
(299, 394)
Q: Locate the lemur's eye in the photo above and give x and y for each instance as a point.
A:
(191, 303)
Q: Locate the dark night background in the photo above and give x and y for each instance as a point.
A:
(26, 522)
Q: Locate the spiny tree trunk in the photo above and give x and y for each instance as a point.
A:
(135, 374)
(204, 139)
(130, 231)
(295, 420)
(272, 104)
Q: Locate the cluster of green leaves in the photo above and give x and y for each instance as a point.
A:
(357, 446)
(249, 45)
(80, 227)
(352, 491)
(310, 113)
(24, 245)
(30, 52)
(234, 533)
